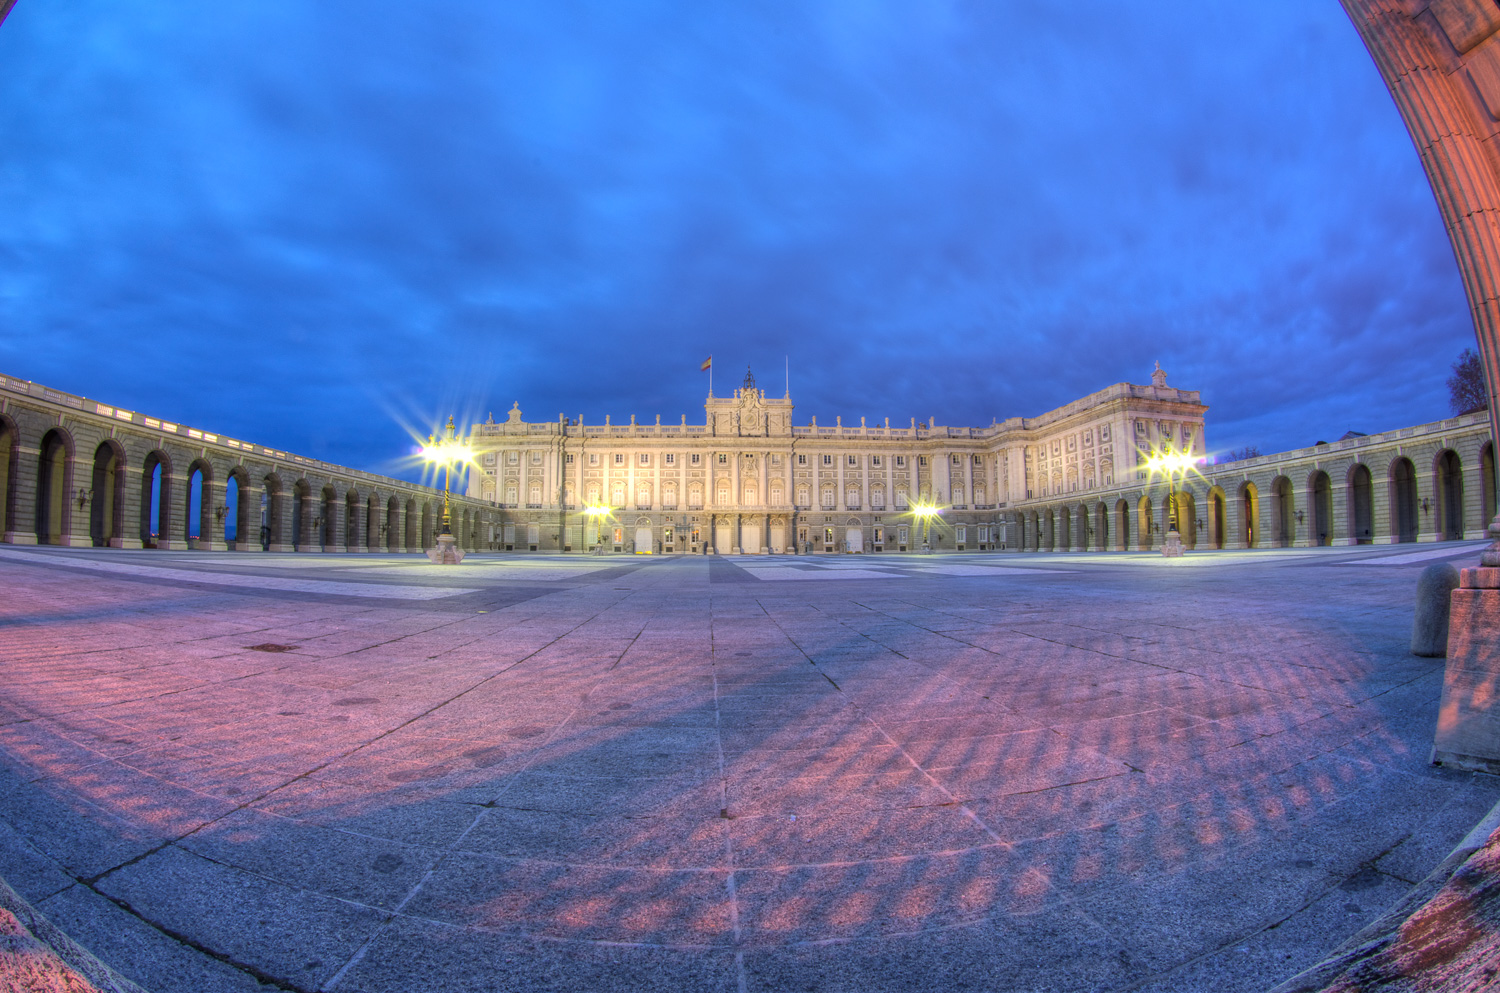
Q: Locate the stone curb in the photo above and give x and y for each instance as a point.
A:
(1385, 930)
(74, 967)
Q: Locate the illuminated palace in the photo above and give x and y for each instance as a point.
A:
(748, 480)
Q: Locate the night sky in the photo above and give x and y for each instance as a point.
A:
(315, 224)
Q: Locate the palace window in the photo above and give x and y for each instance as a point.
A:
(829, 499)
(645, 459)
(512, 458)
(619, 458)
(978, 460)
(828, 460)
(775, 459)
(901, 462)
(723, 459)
(922, 461)
(875, 461)
(536, 458)
(801, 459)
(958, 460)
(489, 458)
(963, 534)
(569, 459)
(854, 460)
(593, 458)
(671, 458)
(697, 459)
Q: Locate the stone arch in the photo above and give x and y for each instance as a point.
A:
(1122, 525)
(1283, 513)
(1048, 535)
(54, 488)
(413, 524)
(429, 520)
(1064, 536)
(1360, 486)
(198, 498)
(1101, 527)
(107, 495)
(1249, 501)
(1319, 509)
(1403, 501)
(10, 450)
(1448, 493)
(1083, 524)
(1218, 525)
(237, 482)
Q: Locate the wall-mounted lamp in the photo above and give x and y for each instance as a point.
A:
(1299, 517)
(84, 496)
(1424, 505)
(219, 513)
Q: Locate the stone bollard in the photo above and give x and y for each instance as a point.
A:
(1429, 628)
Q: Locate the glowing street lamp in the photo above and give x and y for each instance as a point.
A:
(924, 513)
(596, 515)
(1175, 466)
(447, 451)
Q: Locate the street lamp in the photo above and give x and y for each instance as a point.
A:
(924, 513)
(446, 452)
(1173, 465)
(595, 515)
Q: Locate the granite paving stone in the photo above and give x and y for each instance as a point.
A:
(1010, 772)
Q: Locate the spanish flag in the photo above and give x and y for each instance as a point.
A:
(707, 364)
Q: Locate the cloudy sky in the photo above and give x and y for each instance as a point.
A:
(314, 223)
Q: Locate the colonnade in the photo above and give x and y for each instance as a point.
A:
(74, 472)
(1434, 482)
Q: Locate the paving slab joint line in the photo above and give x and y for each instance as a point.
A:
(1384, 929)
(73, 955)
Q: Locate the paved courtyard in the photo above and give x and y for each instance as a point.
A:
(229, 772)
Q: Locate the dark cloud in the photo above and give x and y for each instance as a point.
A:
(308, 223)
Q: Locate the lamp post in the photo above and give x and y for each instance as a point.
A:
(594, 514)
(924, 513)
(445, 452)
(1172, 465)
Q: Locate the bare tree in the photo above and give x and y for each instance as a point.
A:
(1466, 392)
(1238, 454)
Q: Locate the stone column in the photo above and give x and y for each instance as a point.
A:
(333, 513)
(1474, 524)
(210, 521)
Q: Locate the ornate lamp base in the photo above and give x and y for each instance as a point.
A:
(446, 552)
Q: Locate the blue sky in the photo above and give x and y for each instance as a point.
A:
(311, 223)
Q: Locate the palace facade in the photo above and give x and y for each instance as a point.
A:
(747, 479)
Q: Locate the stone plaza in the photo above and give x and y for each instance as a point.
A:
(537, 772)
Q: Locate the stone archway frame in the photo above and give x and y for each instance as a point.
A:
(1440, 59)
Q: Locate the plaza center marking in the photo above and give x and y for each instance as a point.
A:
(323, 586)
